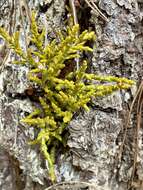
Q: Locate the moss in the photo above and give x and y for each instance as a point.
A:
(62, 94)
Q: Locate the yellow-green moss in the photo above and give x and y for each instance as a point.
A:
(63, 94)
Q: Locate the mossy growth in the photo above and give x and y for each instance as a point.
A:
(62, 95)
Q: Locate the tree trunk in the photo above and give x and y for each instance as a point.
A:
(96, 158)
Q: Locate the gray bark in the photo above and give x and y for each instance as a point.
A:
(95, 136)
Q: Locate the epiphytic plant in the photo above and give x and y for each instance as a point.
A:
(63, 91)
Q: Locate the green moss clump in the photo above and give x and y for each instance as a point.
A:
(62, 94)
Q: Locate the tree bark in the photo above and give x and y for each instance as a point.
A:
(94, 157)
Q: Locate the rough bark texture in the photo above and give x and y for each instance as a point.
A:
(95, 137)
